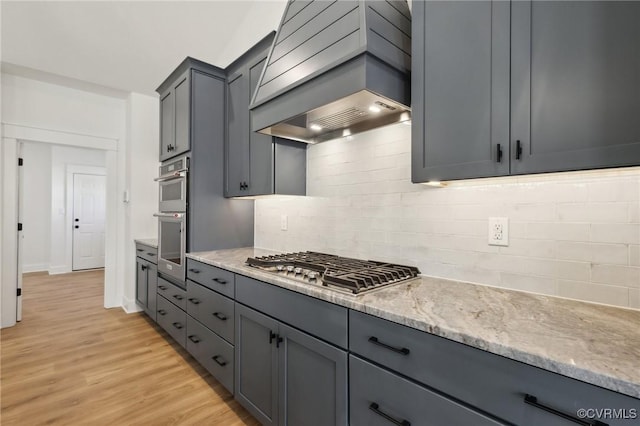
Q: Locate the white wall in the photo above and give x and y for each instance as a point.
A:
(38, 111)
(574, 235)
(36, 215)
(142, 163)
(61, 158)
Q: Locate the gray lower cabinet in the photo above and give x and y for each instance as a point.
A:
(287, 377)
(146, 280)
(211, 351)
(518, 393)
(257, 164)
(523, 87)
(257, 364)
(382, 398)
(173, 320)
(212, 309)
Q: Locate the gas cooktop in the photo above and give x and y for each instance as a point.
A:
(342, 273)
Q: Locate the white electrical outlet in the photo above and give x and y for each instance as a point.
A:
(498, 231)
(284, 222)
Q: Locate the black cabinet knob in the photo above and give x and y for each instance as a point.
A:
(76, 227)
(77, 220)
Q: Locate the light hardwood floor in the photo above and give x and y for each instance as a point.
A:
(72, 362)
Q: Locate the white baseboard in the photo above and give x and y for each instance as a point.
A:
(60, 269)
(35, 267)
(130, 306)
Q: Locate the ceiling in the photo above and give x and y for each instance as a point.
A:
(124, 45)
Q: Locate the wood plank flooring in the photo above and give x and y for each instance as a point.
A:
(72, 362)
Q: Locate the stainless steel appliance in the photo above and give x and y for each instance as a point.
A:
(173, 185)
(335, 69)
(172, 244)
(340, 273)
(172, 218)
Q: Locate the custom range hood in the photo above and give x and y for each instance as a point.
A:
(335, 68)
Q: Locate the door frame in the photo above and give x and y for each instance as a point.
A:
(73, 169)
(12, 134)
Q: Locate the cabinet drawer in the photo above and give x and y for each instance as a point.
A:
(211, 351)
(211, 277)
(377, 397)
(172, 293)
(172, 319)
(147, 253)
(316, 317)
(211, 309)
(495, 384)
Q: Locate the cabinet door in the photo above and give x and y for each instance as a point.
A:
(167, 116)
(575, 85)
(256, 384)
(152, 288)
(460, 89)
(261, 146)
(382, 398)
(141, 282)
(237, 134)
(313, 380)
(182, 94)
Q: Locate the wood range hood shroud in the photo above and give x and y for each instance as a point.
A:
(335, 68)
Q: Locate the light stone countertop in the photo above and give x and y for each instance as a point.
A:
(593, 343)
(151, 242)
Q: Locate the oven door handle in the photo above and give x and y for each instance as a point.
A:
(174, 215)
(175, 175)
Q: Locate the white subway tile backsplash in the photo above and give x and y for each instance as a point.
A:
(611, 295)
(615, 233)
(558, 231)
(530, 283)
(634, 255)
(628, 276)
(571, 234)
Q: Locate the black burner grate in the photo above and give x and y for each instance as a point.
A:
(352, 274)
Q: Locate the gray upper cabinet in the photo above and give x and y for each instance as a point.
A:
(575, 85)
(175, 109)
(253, 159)
(460, 90)
(524, 87)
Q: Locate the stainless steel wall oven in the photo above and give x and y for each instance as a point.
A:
(172, 217)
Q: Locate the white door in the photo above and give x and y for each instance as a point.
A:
(88, 221)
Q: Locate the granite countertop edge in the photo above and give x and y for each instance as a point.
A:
(630, 387)
(151, 242)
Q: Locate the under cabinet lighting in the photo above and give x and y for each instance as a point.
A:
(435, 183)
(315, 127)
(374, 109)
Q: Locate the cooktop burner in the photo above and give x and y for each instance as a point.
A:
(354, 275)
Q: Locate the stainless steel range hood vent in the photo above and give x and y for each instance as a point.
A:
(336, 68)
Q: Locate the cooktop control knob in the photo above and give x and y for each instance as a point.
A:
(297, 271)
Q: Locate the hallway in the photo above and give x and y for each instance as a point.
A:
(72, 362)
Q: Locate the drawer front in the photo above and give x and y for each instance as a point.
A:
(173, 320)
(172, 293)
(378, 397)
(147, 253)
(316, 317)
(211, 277)
(495, 384)
(211, 309)
(211, 351)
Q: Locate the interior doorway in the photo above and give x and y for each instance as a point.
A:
(89, 207)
